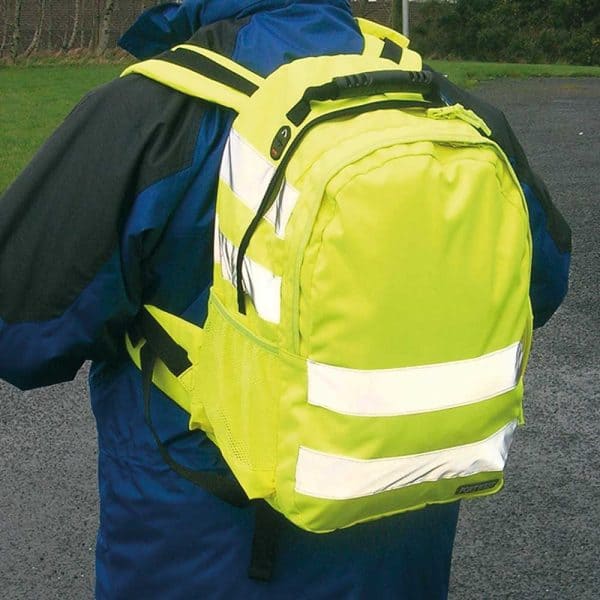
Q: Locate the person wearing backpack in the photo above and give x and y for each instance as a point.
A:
(117, 212)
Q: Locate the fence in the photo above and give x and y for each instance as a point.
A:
(511, 30)
(50, 26)
(33, 26)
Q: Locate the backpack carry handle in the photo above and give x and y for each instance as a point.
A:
(365, 84)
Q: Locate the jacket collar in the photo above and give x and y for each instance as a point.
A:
(164, 26)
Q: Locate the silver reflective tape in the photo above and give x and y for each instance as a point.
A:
(322, 475)
(263, 287)
(412, 390)
(217, 242)
(248, 174)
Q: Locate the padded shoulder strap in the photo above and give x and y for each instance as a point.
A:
(201, 73)
(381, 32)
(387, 43)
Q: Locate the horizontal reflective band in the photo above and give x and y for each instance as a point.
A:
(259, 283)
(412, 390)
(323, 475)
(248, 174)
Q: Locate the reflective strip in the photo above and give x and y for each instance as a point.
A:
(339, 478)
(217, 242)
(248, 173)
(411, 390)
(259, 283)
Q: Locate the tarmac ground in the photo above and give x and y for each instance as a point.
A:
(538, 539)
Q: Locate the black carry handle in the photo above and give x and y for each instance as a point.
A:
(365, 84)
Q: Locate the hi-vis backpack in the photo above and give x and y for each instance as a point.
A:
(369, 321)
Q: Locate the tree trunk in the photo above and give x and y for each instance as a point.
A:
(104, 31)
(82, 28)
(37, 36)
(16, 36)
(49, 25)
(4, 41)
(76, 25)
(95, 12)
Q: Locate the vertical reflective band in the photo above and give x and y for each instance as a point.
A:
(323, 475)
(259, 283)
(217, 241)
(248, 174)
(411, 390)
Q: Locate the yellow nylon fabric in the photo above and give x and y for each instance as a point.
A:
(240, 400)
(234, 217)
(180, 388)
(187, 82)
(370, 28)
(408, 245)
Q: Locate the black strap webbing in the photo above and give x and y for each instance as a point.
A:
(264, 543)
(164, 346)
(225, 488)
(391, 50)
(159, 344)
(209, 68)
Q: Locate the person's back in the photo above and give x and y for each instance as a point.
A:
(138, 172)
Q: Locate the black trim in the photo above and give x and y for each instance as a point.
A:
(226, 488)
(300, 111)
(391, 50)
(264, 542)
(173, 355)
(220, 37)
(213, 70)
(363, 85)
(277, 179)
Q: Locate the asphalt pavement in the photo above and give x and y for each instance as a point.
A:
(538, 540)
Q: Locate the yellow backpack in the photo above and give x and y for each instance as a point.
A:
(369, 321)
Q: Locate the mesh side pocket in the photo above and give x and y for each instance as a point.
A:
(239, 386)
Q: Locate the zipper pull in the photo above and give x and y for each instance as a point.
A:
(458, 111)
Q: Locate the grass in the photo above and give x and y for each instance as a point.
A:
(34, 99)
(469, 74)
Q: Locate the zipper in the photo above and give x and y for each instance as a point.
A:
(279, 175)
(458, 111)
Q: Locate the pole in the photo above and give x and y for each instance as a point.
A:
(405, 17)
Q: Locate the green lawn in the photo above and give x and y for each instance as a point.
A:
(468, 74)
(35, 99)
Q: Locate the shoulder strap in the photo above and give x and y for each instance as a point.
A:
(159, 345)
(381, 32)
(386, 43)
(205, 74)
(201, 73)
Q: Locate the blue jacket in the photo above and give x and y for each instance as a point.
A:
(116, 210)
